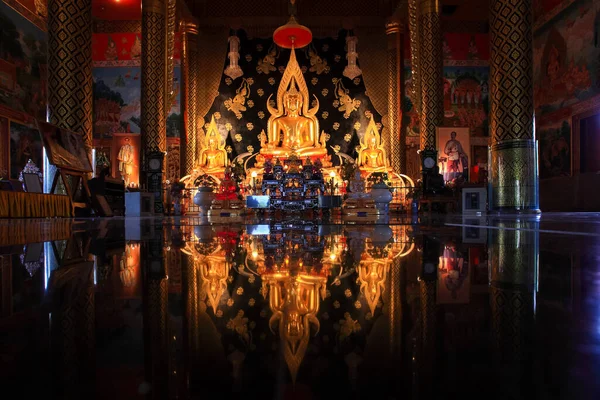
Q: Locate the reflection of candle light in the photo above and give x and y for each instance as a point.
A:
(255, 254)
(332, 257)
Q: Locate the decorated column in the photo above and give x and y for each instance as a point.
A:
(430, 70)
(397, 138)
(189, 100)
(154, 82)
(70, 66)
(413, 27)
(514, 166)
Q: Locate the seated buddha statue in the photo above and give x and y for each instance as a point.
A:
(357, 197)
(227, 193)
(293, 128)
(372, 156)
(213, 157)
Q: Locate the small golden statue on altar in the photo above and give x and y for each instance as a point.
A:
(213, 156)
(372, 156)
(293, 127)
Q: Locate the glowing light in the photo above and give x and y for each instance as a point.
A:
(332, 174)
(332, 257)
(255, 254)
(254, 174)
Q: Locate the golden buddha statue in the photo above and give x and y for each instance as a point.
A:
(372, 276)
(213, 157)
(293, 128)
(372, 156)
(214, 271)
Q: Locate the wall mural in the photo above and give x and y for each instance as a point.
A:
(466, 84)
(23, 76)
(555, 150)
(117, 86)
(240, 109)
(567, 58)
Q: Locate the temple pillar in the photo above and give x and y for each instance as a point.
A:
(413, 26)
(514, 165)
(154, 81)
(431, 71)
(397, 138)
(513, 255)
(70, 67)
(190, 61)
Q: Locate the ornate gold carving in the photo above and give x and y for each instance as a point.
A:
(154, 6)
(430, 68)
(70, 66)
(237, 104)
(397, 142)
(213, 157)
(347, 104)
(153, 125)
(372, 156)
(170, 56)
(293, 123)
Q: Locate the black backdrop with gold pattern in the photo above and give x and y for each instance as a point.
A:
(322, 63)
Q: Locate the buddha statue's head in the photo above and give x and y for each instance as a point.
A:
(292, 99)
(212, 144)
(373, 142)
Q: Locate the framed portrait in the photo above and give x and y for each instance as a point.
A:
(64, 148)
(32, 182)
(454, 146)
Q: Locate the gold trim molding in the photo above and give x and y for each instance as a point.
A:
(428, 7)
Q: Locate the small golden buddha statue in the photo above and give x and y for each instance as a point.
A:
(372, 156)
(293, 128)
(213, 157)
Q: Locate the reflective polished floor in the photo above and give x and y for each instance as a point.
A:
(180, 308)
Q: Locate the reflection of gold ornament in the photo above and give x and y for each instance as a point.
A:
(294, 301)
(125, 158)
(126, 268)
(372, 275)
(213, 156)
(214, 270)
(293, 127)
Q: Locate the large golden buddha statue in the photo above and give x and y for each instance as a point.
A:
(293, 128)
(213, 157)
(372, 156)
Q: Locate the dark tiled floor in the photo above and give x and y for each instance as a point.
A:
(438, 307)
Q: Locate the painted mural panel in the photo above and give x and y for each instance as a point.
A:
(466, 99)
(117, 101)
(567, 58)
(25, 144)
(23, 76)
(555, 150)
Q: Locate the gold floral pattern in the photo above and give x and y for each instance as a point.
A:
(271, 81)
(250, 103)
(357, 125)
(357, 305)
(250, 126)
(228, 149)
(337, 58)
(272, 103)
(314, 103)
(251, 278)
(217, 115)
(260, 92)
(238, 138)
(314, 81)
(336, 103)
(239, 324)
(337, 148)
(325, 92)
(228, 81)
(336, 126)
(347, 137)
(336, 304)
(228, 126)
(261, 114)
(219, 313)
(230, 302)
(240, 291)
(348, 293)
(348, 326)
(368, 114)
(356, 81)
(250, 150)
(251, 302)
(248, 57)
(281, 69)
(324, 115)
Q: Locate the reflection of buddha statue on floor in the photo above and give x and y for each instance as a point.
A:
(293, 128)
(372, 156)
(357, 196)
(213, 157)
